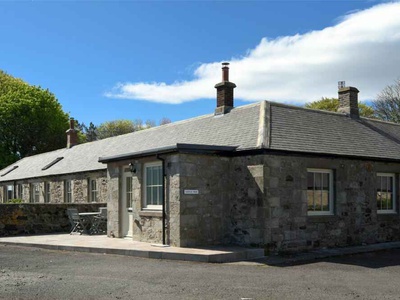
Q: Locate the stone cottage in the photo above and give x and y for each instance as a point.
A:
(265, 175)
(69, 175)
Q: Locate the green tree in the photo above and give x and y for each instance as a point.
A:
(31, 120)
(387, 103)
(81, 127)
(91, 133)
(114, 128)
(332, 104)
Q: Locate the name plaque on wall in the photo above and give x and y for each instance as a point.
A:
(191, 192)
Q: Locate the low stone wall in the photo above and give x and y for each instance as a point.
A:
(26, 218)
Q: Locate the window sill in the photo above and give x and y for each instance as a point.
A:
(150, 213)
(386, 213)
(321, 218)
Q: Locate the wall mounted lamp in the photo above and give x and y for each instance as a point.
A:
(133, 167)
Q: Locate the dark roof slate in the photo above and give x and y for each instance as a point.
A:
(305, 130)
(238, 129)
(284, 127)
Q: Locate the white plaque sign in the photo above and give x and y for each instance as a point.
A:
(191, 192)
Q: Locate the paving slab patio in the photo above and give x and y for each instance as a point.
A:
(104, 244)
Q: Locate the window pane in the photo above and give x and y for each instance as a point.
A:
(325, 181)
(318, 200)
(310, 181)
(383, 183)
(318, 191)
(390, 183)
(148, 195)
(310, 198)
(154, 185)
(390, 201)
(148, 176)
(385, 192)
(318, 181)
(325, 201)
(160, 195)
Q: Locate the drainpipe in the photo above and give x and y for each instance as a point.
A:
(164, 198)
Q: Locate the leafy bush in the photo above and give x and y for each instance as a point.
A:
(15, 201)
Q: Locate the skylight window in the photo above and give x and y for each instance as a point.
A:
(9, 171)
(52, 163)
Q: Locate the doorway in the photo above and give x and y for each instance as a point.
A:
(127, 205)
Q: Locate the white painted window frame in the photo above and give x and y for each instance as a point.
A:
(35, 191)
(146, 206)
(47, 192)
(20, 191)
(7, 190)
(67, 192)
(331, 193)
(93, 193)
(128, 189)
(393, 176)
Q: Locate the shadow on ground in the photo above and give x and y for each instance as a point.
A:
(373, 260)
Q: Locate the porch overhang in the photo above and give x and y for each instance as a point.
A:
(181, 148)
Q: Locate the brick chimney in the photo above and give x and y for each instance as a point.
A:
(224, 92)
(348, 101)
(72, 134)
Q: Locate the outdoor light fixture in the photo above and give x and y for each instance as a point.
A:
(133, 167)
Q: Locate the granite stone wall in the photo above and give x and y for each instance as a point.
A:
(24, 219)
(261, 201)
(79, 185)
(355, 220)
(258, 201)
(113, 200)
(201, 214)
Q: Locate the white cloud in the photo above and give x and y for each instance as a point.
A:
(362, 49)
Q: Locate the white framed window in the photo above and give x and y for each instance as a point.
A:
(319, 192)
(128, 191)
(35, 193)
(153, 193)
(20, 191)
(10, 192)
(386, 193)
(47, 192)
(93, 192)
(68, 191)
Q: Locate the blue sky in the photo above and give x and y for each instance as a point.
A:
(107, 60)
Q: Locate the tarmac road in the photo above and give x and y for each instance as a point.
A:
(31, 273)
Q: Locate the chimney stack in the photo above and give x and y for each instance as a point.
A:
(72, 134)
(348, 100)
(224, 92)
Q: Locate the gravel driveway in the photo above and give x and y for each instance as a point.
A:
(31, 273)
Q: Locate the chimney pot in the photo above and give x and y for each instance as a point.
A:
(224, 92)
(225, 71)
(348, 101)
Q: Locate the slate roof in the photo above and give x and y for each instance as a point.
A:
(239, 128)
(314, 131)
(262, 125)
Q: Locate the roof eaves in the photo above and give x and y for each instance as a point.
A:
(205, 149)
(161, 150)
(180, 147)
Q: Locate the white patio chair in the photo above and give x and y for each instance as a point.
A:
(77, 223)
(100, 222)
